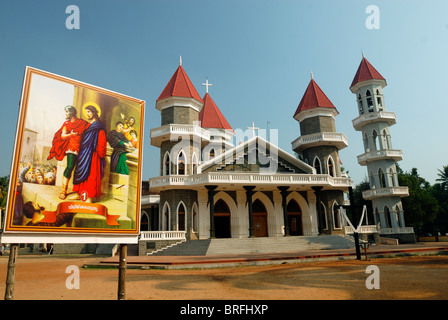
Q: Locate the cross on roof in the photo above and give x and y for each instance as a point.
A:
(253, 129)
(206, 84)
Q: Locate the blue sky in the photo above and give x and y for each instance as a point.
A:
(258, 56)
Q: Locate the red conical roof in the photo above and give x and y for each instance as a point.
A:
(313, 97)
(180, 86)
(366, 72)
(211, 117)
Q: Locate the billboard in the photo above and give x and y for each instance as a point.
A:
(77, 160)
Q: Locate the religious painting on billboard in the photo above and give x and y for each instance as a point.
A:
(77, 159)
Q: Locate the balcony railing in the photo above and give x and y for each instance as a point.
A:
(228, 178)
(395, 155)
(364, 119)
(162, 235)
(396, 230)
(385, 192)
(339, 140)
(165, 132)
(362, 229)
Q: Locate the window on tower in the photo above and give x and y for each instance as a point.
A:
(369, 101)
(166, 164)
(317, 166)
(361, 106)
(330, 166)
(181, 164)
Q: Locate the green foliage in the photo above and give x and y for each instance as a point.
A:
(426, 207)
(421, 207)
(4, 182)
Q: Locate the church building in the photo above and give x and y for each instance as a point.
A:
(210, 188)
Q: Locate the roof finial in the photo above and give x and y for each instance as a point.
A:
(206, 84)
(311, 72)
(362, 51)
(180, 60)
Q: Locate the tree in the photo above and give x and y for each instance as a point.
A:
(421, 207)
(443, 174)
(4, 182)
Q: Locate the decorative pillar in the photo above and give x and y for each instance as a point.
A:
(284, 193)
(318, 207)
(211, 194)
(249, 193)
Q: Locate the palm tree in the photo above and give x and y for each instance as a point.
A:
(443, 174)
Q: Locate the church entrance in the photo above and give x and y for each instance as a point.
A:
(260, 219)
(222, 220)
(294, 218)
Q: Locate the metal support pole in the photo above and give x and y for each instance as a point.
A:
(355, 234)
(122, 272)
(11, 275)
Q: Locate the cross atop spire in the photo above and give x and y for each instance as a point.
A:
(253, 129)
(206, 84)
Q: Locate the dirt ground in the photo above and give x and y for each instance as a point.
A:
(414, 277)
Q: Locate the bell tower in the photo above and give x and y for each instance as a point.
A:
(319, 146)
(374, 123)
(180, 140)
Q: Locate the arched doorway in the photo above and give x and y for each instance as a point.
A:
(222, 219)
(260, 215)
(294, 218)
(181, 217)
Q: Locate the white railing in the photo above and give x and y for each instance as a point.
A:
(335, 138)
(396, 155)
(162, 235)
(396, 230)
(385, 192)
(362, 229)
(180, 129)
(245, 178)
(374, 116)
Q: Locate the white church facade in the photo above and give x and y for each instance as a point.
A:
(210, 187)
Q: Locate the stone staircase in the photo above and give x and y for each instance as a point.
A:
(259, 245)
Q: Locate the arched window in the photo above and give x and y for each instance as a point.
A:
(195, 217)
(212, 153)
(331, 166)
(166, 164)
(181, 217)
(366, 143)
(387, 217)
(144, 221)
(194, 164)
(369, 101)
(166, 217)
(336, 216)
(379, 101)
(181, 163)
(382, 178)
(361, 106)
(377, 218)
(317, 165)
(397, 215)
(375, 141)
(371, 180)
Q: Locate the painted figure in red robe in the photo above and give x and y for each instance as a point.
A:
(89, 169)
(66, 142)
